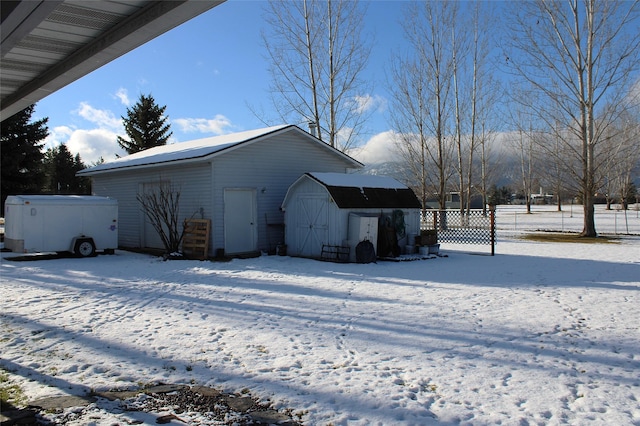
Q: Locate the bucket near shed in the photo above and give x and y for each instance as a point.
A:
(430, 249)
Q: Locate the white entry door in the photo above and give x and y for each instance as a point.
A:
(240, 224)
(312, 226)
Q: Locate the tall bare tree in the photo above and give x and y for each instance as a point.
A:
(579, 55)
(525, 149)
(317, 53)
(459, 50)
(555, 175)
(443, 95)
(490, 161)
(421, 85)
(476, 96)
(622, 144)
(416, 147)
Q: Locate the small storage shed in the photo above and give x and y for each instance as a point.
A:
(328, 213)
(237, 181)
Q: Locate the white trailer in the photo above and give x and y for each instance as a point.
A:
(60, 223)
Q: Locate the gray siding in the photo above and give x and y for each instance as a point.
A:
(270, 166)
(193, 182)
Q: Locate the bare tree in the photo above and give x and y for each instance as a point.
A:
(317, 54)
(409, 106)
(477, 94)
(459, 50)
(488, 163)
(624, 158)
(161, 205)
(525, 149)
(556, 175)
(442, 97)
(577, 54)
(421, 85)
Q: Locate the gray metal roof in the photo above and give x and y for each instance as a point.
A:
(204, 149)
(47, 44)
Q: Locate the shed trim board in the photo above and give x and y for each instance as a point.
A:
(266, 164)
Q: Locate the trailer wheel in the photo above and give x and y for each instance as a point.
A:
(85, 248)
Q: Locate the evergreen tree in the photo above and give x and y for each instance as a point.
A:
(500, 195)
(83, 184)
(60, 169)
(21, 148)
(145, 125)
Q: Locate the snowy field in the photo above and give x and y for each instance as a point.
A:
(540, 333)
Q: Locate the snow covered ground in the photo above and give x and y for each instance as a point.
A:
(541, 333)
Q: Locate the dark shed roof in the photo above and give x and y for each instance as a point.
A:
(383, 198)
(362, 191)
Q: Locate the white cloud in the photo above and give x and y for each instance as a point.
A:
(368, 103)
(218, 125)
(91, 144)
(94, 144)
(378, 149)
(103, 118)
(123, 95)
(58, 135)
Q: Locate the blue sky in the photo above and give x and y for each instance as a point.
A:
(210, 73)
(207, 72)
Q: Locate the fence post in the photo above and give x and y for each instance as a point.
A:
(492, 216)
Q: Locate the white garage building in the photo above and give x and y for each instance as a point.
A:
(238, 181)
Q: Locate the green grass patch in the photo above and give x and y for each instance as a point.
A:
(565, 237)
(10, 393)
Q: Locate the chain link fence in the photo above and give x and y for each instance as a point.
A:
(474, 226)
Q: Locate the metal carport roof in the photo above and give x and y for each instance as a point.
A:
(47, 44)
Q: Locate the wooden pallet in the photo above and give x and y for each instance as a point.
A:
(335, 253)
(195, 242)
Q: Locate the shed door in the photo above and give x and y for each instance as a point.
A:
(240, 225)
(312, 225)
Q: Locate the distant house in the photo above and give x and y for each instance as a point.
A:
(238, 181)
(452, 201)
(327, 211)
